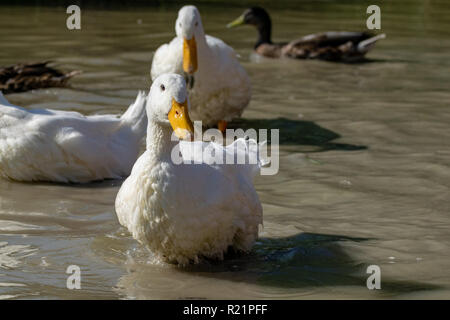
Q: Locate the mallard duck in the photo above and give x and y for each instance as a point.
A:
(64, 146)
(29, 76)
(187, 211)
(219, 86)
(332, 46)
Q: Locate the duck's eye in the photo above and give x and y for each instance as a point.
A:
(196, 24)
(179, 24)
(162, 87)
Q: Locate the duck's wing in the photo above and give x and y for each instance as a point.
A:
(132, 198)
(230, 83)
(93, 148)
(331, 38)
(57, 148)
(66, 146)
(168, 58)
(135, 116)
(27, 147)
(332, 45)
(226, 60)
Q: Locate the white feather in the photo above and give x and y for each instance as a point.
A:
(64, 146)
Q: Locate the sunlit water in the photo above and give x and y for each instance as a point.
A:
(364, 160)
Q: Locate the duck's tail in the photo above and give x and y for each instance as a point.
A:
(70, 74)
(365, 45)
(136, 116)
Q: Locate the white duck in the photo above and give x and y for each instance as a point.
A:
(184, 212)
(64, 146)
(220, 87)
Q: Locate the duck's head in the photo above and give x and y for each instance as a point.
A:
(189, 27)
(259, 18)
(168, 105)
(255, 16)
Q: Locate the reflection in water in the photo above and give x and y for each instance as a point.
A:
(297, 133)
(364, 172)
(276, 268)
(11, 255)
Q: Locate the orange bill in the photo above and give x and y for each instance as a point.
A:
(180, 121)
(190, 62)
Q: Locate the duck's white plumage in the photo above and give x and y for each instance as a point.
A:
(221, 88)
(64, 146)
(187, 211)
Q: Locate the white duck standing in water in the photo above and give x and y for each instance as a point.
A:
(185, 212)
(219, 86)
(65, 146)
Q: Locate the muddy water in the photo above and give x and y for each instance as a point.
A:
(364, 160)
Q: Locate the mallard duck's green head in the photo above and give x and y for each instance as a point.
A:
(256, 16)
(259, 18)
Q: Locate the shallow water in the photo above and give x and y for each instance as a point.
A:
(364, 160)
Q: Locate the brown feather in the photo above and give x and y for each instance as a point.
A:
(29, 76)
(318, 46)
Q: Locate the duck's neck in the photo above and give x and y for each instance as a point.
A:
(202, 46)
(201, 39)
(264, 32)
(159, 140)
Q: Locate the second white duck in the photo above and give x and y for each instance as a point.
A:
(64, 146)
(220, 87)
